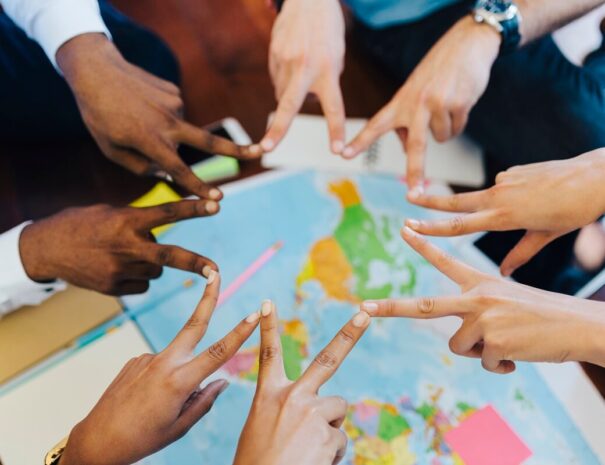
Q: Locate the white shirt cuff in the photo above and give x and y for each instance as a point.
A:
(63, 20)
(16, 287)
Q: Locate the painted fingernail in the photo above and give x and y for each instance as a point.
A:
(337, 146)
(267, 144)
(212, 276)
(266, 308)
(215, 194)
(369, 307)
(211, 206)
(348, 152)
(414, 224)
(253, 317)
(361, 320)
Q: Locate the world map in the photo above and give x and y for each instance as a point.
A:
(409, 397)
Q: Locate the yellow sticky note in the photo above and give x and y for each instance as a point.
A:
(161, 193)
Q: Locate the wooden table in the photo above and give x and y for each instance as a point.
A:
(224, 70)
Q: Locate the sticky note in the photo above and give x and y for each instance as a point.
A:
(216, 168)
(484, 438)
(159, 194)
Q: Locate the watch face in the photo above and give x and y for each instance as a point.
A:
(494, 6)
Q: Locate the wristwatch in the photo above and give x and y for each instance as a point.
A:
(504, 17)
(54, 455)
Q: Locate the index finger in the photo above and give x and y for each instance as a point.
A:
(192, 333)
(453, 268)
(287, 108)
(466, 202)
(177, 257)
(331, 357)
(208, 142)
(415, 148)
(149, 217)
(380, 123)
(421, 307)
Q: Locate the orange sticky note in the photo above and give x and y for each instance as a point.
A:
(484, 438)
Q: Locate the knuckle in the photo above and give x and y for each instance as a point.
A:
(218, 350)
(455, 346)
(389, 307)
(326, 359)
(453, 202)
(346, 336)
(445, 259)
(425, 304)
(269, 353)
(195, 322)
(169, 211)
(456, 224)
(163, 256)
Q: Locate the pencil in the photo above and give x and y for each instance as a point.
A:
(249, 272)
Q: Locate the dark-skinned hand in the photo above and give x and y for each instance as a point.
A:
(135, 117)
(110, 250)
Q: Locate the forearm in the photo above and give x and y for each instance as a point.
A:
(541, 17)
(589, 333)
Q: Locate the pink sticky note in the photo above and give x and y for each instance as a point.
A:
(484, 438)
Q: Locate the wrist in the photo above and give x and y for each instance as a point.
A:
(75, 56)
(591, 338)
(483, 34)
(33, 252)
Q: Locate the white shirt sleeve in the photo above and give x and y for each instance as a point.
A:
(51, 23)
(16, 288)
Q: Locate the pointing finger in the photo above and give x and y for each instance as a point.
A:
(208, 142)
(529, 245)
(487, 220)
(177, 257)
(467, 202)
(415, 148)
(421, 308)
(329, 359)
(150, 217)
(334, 111)
(453, 268)
(382, 122)
(271, 364)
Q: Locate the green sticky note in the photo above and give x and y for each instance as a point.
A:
(215, 168)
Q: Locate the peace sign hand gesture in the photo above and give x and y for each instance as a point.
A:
(289, 423)
(156, 399)
(503, 321)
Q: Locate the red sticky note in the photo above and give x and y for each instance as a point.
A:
(484, 438)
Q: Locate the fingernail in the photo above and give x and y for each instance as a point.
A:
(206, 271)
(255, 149)
(253, 317)
(506, 272)
(408, 232)
(212, 276)
(211, 206)
(348, 152)
(215, 194)
(337, 146)
(223, 387)
(266, 308)
(361, 320)
(267, 144)
(369, 307)
(416, 192)
(414, 224)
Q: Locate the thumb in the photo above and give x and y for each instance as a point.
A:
(198, 405)
(529, 245)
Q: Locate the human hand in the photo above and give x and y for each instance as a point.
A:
(156, 399)
(439, 95)
(307, 56)
(135, 117)
(289, 423)
(110, 250)
(503, 321)
(548, 199)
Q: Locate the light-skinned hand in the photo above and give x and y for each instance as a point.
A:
(110, 250)
(156, 399)
(503, 321)
(289, 423)
(135, 117)
(438, 96)
(548, 199)
(307, 56)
